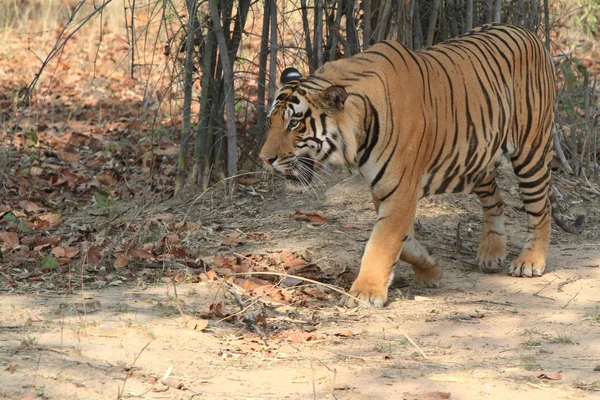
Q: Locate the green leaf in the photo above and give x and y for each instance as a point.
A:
(22, 227)
(32, 136)
(101, 199)
(49, 262)
(10, 217)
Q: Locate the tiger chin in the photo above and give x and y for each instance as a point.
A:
(419, 123)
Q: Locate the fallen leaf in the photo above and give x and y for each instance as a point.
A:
(248, 180)
(344, 333)
(313, 217)
(172, 239)
(31, 207)
(196, 324)
(35, 171)
(94, 255)
(140, 254)
(121, 261)
(553, 376)
(296, 262)
(53, 220)
(9, 239)
(233, 242)
(295, 336)
(259, 236)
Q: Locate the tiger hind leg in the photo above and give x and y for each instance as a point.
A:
(427, 271)
(533, 176)
(492, 249)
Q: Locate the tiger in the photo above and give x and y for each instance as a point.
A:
(420, 123)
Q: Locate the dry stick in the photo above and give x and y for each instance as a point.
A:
(364, 303)
(566, 282)
(122, 389)
(545, 286)
(250, 319)
(569, 302)
(176, 297)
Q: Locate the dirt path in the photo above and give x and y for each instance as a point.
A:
(484, 336)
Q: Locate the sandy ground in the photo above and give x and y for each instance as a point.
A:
(479, 336)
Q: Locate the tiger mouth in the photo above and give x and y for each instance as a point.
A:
(300, 170)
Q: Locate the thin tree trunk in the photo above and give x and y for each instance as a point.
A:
(383, 21)
(432, 22)
(238, 29)
(200, 149)
(417, 28)
(273, 53)
(547, 24)
(318, 33)
(188, 79)
(367, 34)
(335, 30)
(262, 76)
(229, 90)
(469, 16)
(305, 26)
(351, 34)
(498, 11)
(453, 26)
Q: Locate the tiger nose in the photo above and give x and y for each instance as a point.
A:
(268, 159)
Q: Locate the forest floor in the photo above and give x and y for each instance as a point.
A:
(478, 336)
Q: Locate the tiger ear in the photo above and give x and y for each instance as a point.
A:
(334, 97)
(289, 74)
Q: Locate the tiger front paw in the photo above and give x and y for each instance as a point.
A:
(491, 254)
(363, 292)
(528, 264)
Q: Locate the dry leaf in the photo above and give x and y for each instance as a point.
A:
(172, 239)
(9, 239)
(553, 376)
(196, 324)
(121, 261)
(31, 207)
(313, 217)
(140, 254)
(248, 180)
(233, 242)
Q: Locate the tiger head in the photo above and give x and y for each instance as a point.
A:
(305, 126)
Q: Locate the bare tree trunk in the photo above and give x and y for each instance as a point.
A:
(273, 53)
(188, 79)
(351, 34)
(229, 90)
(200, 149)
(262, 76)
(308, 45)
(547, 24)
(367, 34)
(498, 11)
(335, 30)
(469, 16)
(417, 28)
(318, 33)
(433, 22)
(382, 22)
